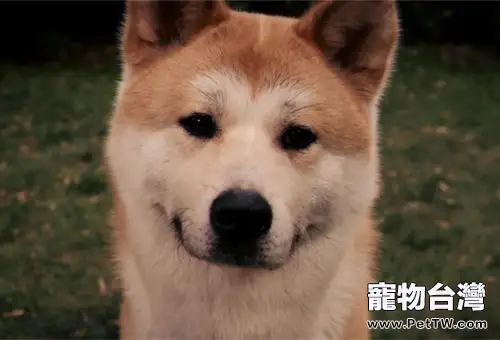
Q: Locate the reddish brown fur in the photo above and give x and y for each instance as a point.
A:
(282, 57)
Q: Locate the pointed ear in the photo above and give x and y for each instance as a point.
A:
(357, 38)
(153, 26)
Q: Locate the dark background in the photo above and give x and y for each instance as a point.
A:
(36, 30)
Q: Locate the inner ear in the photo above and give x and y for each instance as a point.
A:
(179, 21)
(357, 38)
(158, 24)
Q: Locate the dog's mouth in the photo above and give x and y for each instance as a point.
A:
(249, 255)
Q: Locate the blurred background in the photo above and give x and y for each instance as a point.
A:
(440, 137)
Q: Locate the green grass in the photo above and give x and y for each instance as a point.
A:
(439, 211)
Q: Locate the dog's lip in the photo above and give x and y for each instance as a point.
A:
(227, 262)
(176, 224)
(251, 265)
(304, 238)
(214, 259)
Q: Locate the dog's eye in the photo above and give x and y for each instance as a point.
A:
(199, 125)
(297, 137)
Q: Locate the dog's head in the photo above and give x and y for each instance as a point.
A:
(248, 135)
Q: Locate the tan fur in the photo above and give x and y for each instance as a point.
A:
(255, 74)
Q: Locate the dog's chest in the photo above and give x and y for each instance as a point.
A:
(176, 319)
(169, 315)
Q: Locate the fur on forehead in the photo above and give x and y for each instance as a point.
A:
(321, 53)
(355, 39)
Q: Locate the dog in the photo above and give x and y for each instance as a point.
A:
(243, 160)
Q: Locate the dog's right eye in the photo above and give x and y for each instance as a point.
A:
(199, 125)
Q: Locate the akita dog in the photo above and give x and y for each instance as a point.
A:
(243, 158)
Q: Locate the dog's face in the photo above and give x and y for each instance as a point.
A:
(248, 135)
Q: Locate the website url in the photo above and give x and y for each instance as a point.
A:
(428, 323)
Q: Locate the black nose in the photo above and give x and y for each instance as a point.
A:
(240, 215)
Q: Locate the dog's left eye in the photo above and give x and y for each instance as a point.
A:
(297, 137)
(199, 125)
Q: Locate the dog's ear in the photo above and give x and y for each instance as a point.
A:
(357, 38)
(154, 26)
